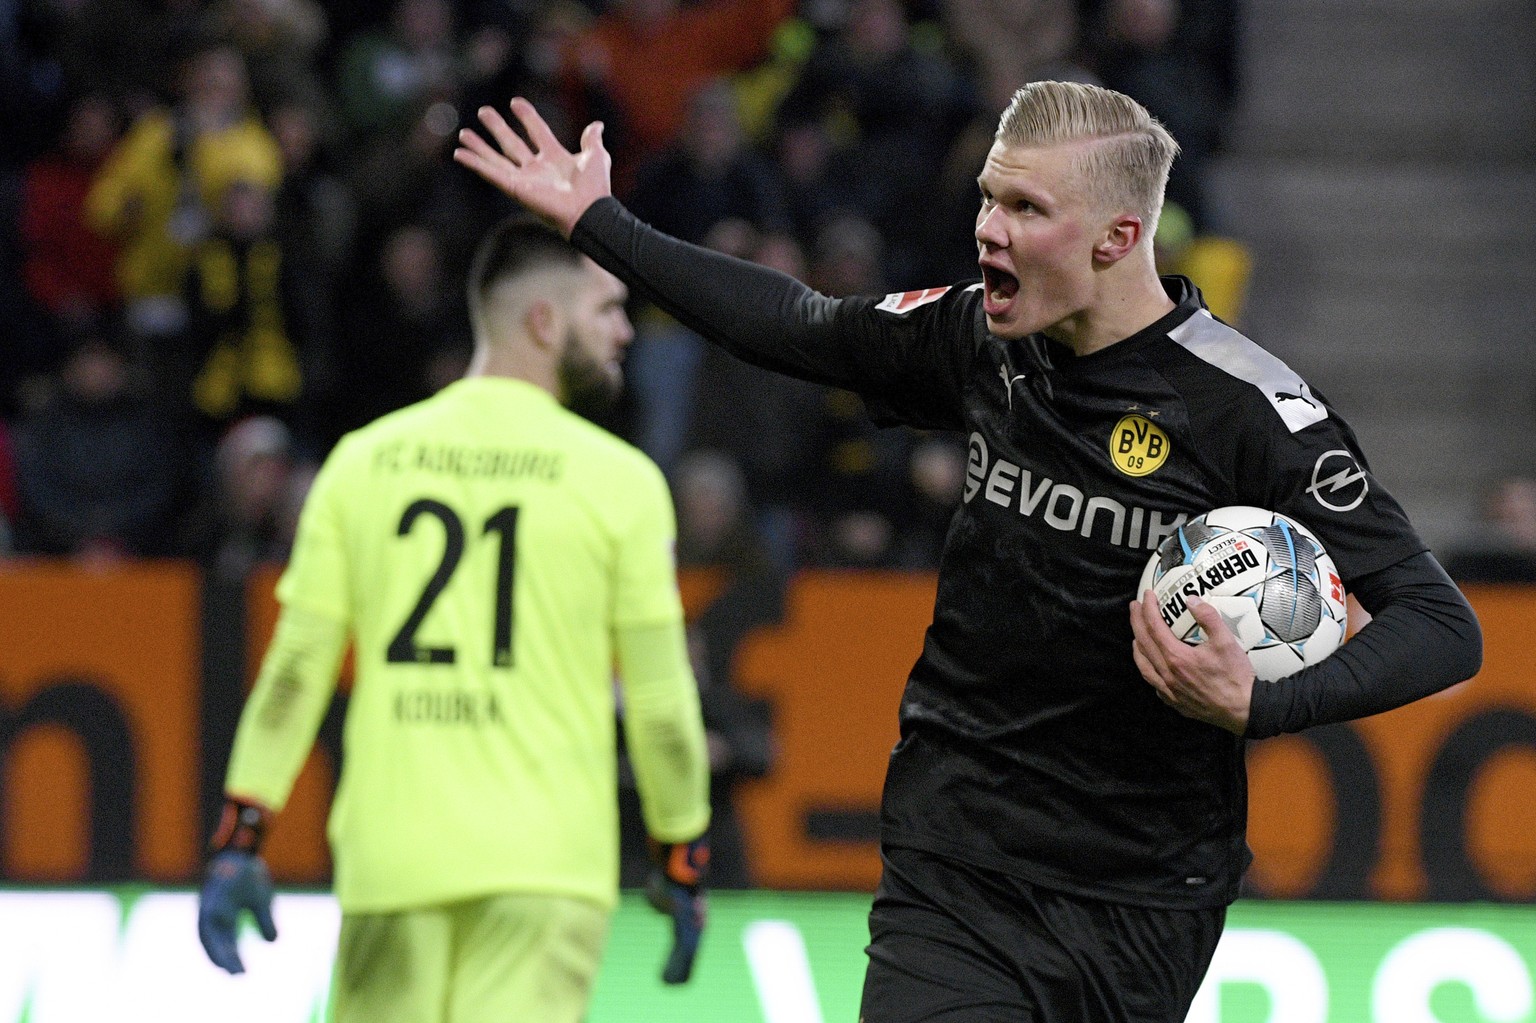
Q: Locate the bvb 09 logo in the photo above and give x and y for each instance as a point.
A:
(1138, 446)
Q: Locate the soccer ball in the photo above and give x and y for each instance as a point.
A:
(1274, 584)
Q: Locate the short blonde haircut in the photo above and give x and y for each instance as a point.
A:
(1129, 165)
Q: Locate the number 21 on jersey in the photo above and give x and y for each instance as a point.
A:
(403, 648)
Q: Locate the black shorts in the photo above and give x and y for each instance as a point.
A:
(954, 943)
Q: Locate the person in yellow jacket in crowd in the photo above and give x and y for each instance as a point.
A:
(159, 187)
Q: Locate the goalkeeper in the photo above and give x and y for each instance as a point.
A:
(490, 555)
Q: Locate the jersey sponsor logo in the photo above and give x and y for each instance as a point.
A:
(1138, 446)
(903, 302)
(1338, 482)
(1061, 505)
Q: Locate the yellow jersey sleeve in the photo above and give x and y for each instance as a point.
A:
(292, 693)
(316, 578)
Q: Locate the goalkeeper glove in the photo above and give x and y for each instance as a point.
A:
(237, 879)
(676, 888)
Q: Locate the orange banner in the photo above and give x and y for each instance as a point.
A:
(101, 696)
(1434, 800)
(834, 671)
(99, 679)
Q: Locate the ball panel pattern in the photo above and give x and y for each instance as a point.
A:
(1269, 577)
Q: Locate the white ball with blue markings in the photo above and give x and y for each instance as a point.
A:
(1268, 576)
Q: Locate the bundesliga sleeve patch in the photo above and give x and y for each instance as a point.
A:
(903, 302)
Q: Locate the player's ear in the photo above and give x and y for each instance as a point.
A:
(1120, 236)
(542, 320)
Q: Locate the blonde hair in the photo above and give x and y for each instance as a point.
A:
(1129, 164)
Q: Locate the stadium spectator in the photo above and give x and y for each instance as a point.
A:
(1179, 58)
(400, 89)
(820, 181)
(280, 41)
(402, 323)
(99, 474)
(709, 174)
(536, 66)
(772, 437)
(716, 533)
(715, 526)
(1502, 546)
(68, 268)
(389, 76)
(899, 106)
(1014, 42)
(474, 831)
(856, 471)
(650, 56)
(241, 338)
(315, 226)
(849, 258)
(935, 480)
(157, 193)
(254, 472)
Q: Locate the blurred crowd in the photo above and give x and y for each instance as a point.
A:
(230, 232)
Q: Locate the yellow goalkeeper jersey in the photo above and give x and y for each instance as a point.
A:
(483, 548)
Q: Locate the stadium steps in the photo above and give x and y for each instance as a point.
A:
(1383, 170)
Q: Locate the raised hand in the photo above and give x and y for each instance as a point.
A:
(551, 181)
(1212, 682)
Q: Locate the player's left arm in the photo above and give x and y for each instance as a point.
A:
(664, 732)
(1423, 637)
(298, 672)
(663, 721)
(277, 726)
(282, 716)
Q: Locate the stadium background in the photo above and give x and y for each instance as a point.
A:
(1359, 209)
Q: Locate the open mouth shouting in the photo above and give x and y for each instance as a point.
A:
(1000, 289)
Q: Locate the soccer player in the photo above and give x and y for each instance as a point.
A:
(1063, 823)
(490, 555)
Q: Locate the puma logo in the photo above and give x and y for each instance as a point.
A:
(1008, 382)
(1283, 396)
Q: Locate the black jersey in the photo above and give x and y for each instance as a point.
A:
(1029, 741)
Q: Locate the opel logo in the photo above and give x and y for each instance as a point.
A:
(1338, 482)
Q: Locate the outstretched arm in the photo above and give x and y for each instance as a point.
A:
(756, 313)
(912, 365)
(551, 181)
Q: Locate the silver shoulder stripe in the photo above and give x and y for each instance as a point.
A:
(1207, 338)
